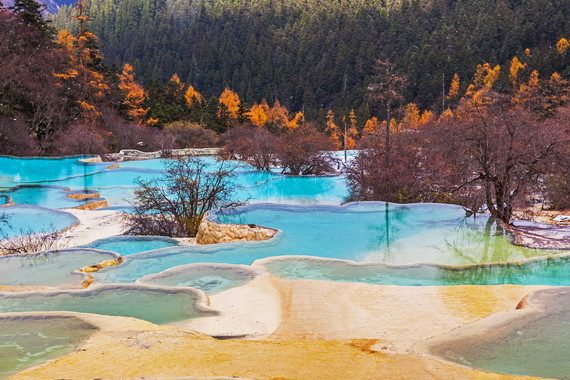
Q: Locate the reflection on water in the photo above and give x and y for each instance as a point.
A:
(548, 271)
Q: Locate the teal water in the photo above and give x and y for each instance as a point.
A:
(49, 269)
(533, 345)
(554, 271)
(26, 341)
(156, 305)
(44, 196)
(421, 233)
(17, 170)
(24, 220)
(117, 186)
(209, 278)
(127, 245)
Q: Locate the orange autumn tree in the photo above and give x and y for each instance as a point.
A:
(453, 88)
(258, 113)
(296, 121)
(562, 45)
(371, 126)
(231, 100)
(134, 94)
(352, 132)
(82, 79)
(411, 117)
(191, 96)
(528, 92)
(515, 68)
(278, 115)
(333, 130)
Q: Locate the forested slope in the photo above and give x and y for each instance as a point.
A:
(320, 54)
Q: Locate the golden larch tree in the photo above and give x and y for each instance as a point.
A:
(514, 70)
(258, 113)
(134, 94)
(296, 121)
(231, 100)
(191, 96)
(454, 88)
(562, 45)
(371, 127)
(411, 116)
(278, 115)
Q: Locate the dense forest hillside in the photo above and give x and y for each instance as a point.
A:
(318, 55)
(50, 6)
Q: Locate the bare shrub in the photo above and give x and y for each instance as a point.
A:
(304, 151)
(80, 139)
(557, 192)
(29, 242)
(184, 134)
(373, 177)
(175, 204)
(253, 145)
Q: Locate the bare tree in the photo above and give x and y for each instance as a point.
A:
(387, 87)
(304, 151)
(253, 145)
(502, 147)
(175, 204)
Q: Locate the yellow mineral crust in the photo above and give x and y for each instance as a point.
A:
(324, 330)
(102, 264)
(171, 353)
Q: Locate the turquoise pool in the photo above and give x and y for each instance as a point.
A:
(209, 278)
(19, 170)
(26, 341)
(168, 304)
(424, 233)
(534, 344)
(127, 245)
(49, 269)
(24, 220)
(44, 196)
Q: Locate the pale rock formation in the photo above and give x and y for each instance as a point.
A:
(210, 232)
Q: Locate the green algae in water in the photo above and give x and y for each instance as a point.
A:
(534, 344)
(553, 271)
(380, 232)
(29, 340)
(156, 305)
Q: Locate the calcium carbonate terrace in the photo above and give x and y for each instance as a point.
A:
(318, 239)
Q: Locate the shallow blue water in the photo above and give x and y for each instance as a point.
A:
(422, 233)
(44, 196)
(543, 271)
(15, 170)
(168, 305)
(25, 220)
(536, 345)
(127, 245)
(49, 269)
(210, 278)
(30, 340)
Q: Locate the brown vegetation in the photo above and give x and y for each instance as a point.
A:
(175, 204)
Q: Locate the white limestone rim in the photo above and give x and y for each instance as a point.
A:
(179, 269)
(265, 260)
